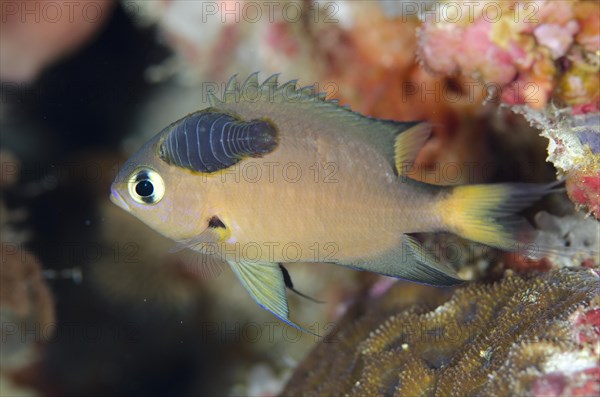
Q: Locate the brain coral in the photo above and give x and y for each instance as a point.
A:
(534, 335)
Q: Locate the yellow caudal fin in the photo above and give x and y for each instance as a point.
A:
(487, 213)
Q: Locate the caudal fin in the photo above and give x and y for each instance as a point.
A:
(487, 213)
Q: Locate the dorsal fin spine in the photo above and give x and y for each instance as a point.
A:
(378, 133)
(270, 90)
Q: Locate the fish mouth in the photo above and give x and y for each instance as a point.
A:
(116, 198)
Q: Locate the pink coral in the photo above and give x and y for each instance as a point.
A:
(551, 11)
(437, 48)
(556, 37)
(584, 190)
(538, 55)
(492, 62)
(534, 85)
(450, 49)
(516, 47)
(588, 325)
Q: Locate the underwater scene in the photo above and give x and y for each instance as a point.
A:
(300, 198)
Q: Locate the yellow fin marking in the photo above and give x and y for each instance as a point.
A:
(408, 144)
(469, 212)
(488, 213)
(223, 234)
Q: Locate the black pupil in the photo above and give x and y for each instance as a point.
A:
(144, 188)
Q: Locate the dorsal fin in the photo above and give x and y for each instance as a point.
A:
(269, 91)
(378, 133)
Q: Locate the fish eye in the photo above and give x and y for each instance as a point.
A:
(146, 186)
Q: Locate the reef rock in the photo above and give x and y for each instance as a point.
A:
(574, 149)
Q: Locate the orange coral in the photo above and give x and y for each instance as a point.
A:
(580, 84)
(588, 16)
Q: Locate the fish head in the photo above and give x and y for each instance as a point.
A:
(164, 197)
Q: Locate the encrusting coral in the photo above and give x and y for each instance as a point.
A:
(535, 335)
(574, 149)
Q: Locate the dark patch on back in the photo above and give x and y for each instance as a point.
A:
(208, 141)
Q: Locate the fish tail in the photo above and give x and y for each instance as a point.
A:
(488, 213)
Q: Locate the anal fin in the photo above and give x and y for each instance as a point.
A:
(409, 261)
(290, 285)
(265, 283)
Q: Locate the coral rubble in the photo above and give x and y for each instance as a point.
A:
(535, 335)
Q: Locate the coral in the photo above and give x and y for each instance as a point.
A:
(579, 83)
(574, 149)
(532, 52)
(536, 60)
(533, 335)
(589, 34)
(261, 382)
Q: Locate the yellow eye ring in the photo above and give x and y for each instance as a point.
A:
(146, 186)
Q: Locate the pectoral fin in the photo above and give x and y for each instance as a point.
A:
(215, 232)
(200, 242)
(264, 282)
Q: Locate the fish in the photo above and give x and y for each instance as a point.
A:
(274, 173)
